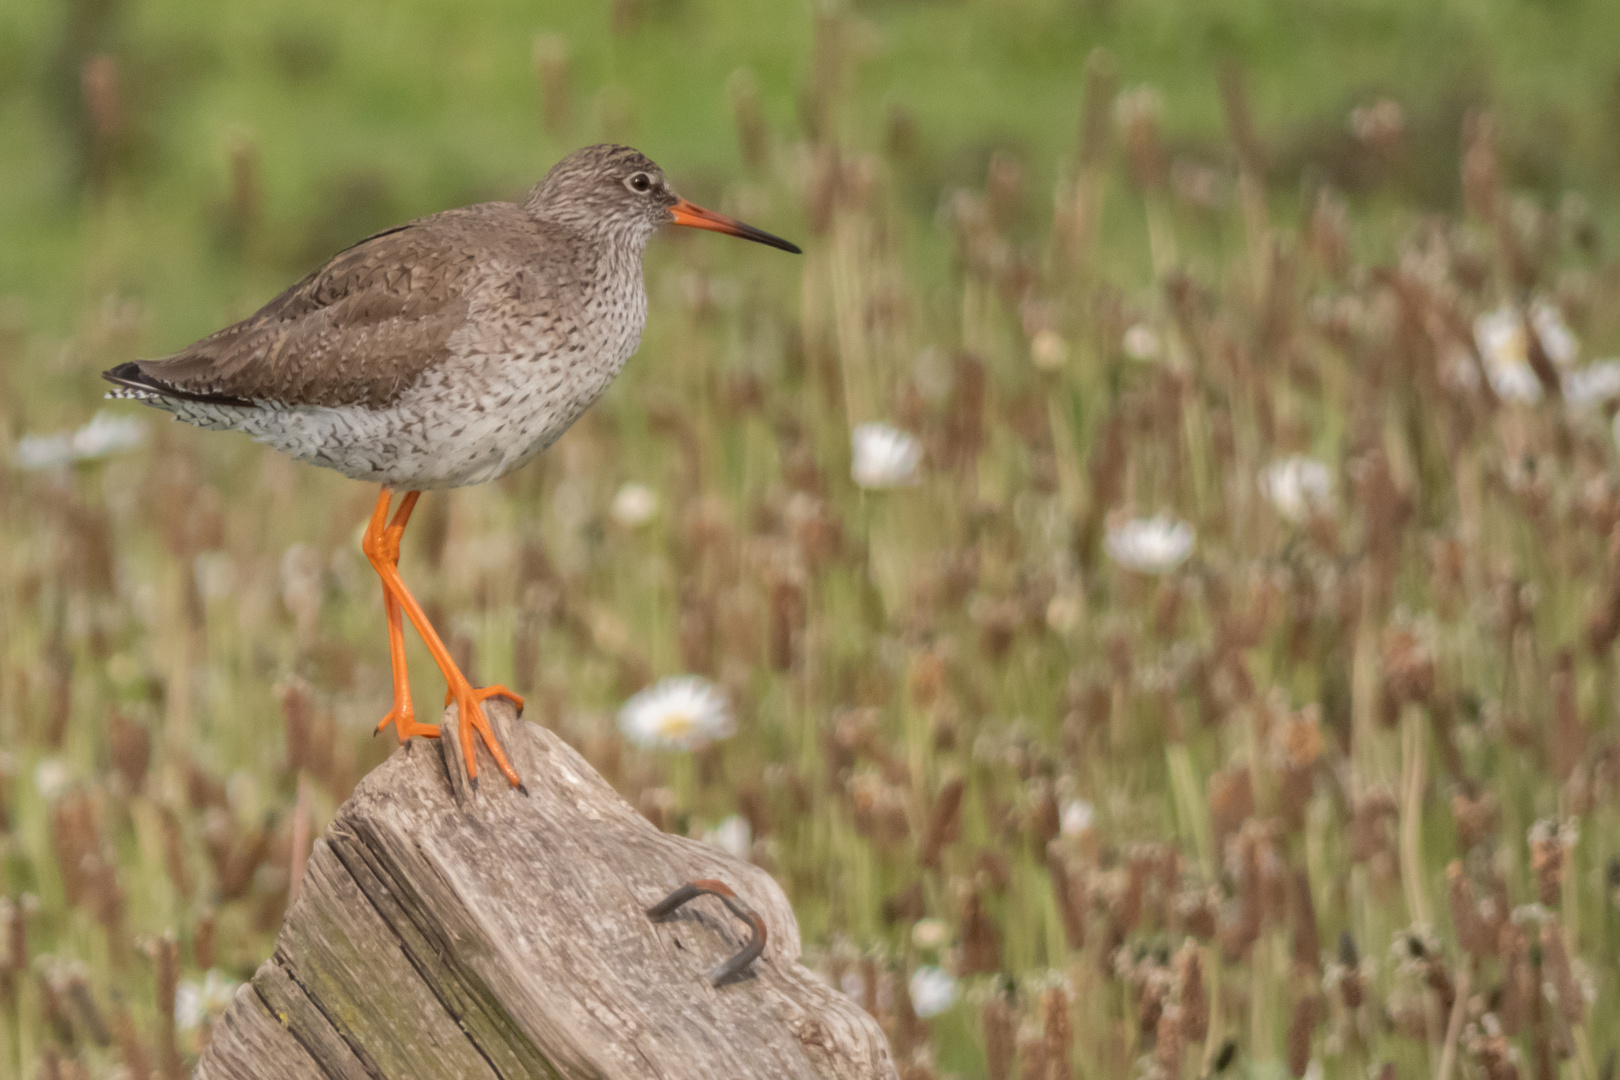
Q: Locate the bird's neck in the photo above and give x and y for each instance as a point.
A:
(617, 259)
(614, 248)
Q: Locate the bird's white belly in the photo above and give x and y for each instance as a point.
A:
(451, 430)
(476, 419)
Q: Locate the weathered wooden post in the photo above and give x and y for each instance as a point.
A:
(442, 933)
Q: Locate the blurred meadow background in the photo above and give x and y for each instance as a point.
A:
(1207, 666)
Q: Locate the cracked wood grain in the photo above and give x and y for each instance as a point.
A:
(447, 932)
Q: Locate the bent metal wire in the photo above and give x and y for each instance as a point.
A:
(734, 903)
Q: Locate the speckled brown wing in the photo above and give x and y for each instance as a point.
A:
(358, 331)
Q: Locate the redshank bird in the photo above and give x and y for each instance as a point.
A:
(444, 352)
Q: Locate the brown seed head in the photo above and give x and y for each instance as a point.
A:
(944, 821)
(131, 749)
(1170, 1037)
(1547, 843)
(981, 942)
(1057, 1032)
(1555, 962)
(1000, 1038)
(1301, 1027)
(1192, 996)
(1475, 818)
(1032, 1052)
(1070, 889)
(1137, 113)
(1307, 946)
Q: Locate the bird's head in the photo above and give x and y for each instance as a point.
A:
(623, 190)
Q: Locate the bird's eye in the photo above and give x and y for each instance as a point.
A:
(641, 182)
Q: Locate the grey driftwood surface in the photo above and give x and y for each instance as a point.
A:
(442, 933)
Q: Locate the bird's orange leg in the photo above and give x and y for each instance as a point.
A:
(381, 545)
(466, 696)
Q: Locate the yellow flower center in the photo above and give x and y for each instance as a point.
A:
(677, 725)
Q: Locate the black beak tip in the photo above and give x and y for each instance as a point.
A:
(760, 236)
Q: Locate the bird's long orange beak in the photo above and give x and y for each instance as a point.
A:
(693, 216)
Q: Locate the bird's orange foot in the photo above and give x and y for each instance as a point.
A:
(470, 717)
(403, 717)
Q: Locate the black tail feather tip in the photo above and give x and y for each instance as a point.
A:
(135, 384)
(130, 382)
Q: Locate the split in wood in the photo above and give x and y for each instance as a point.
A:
(734, 903)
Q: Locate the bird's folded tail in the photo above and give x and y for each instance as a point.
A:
(132, 383)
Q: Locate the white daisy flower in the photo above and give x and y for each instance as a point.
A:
(1142, 343)
(634, 505)
(1296, 486)
(1598, 383)
(884, 457)
(198, 1000)
(108, 434)
(933, 990)
(733, 835)
(1078, 817)
(1499, 336)
(1517, 383)
(1505, 351)
(1153, 545)
(104, 435)
(1557, 339)
(1505, 348)
(680, 713)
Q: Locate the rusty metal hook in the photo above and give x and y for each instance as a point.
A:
(734, 903)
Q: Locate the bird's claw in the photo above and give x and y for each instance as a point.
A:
(404, 722)
(470, 717)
